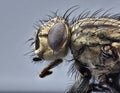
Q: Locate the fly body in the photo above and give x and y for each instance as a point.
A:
(94, 43)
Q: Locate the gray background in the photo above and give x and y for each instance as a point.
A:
(17, 72)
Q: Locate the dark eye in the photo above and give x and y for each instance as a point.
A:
(57, 36)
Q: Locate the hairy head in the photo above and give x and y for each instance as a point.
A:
(51, 39)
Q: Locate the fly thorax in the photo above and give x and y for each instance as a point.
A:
(89, 40)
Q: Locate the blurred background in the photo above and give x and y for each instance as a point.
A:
(17, 71)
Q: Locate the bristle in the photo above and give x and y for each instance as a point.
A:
(95, 14)
(67, 17)
(29, 40)
(54, 13)
(29, 52)
(65, 14)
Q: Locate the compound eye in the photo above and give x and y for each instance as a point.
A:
(57, 36)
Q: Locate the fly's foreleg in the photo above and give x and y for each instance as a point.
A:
(46, 71)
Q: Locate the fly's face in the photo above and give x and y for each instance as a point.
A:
(51, 39)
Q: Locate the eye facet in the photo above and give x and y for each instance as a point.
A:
(57, 36)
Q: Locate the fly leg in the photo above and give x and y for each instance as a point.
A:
(46, 71)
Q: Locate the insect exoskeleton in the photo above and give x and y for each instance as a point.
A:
(52, 38)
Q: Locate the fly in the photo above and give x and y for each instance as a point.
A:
(94, 43)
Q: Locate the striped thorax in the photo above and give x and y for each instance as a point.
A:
(94, 42)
